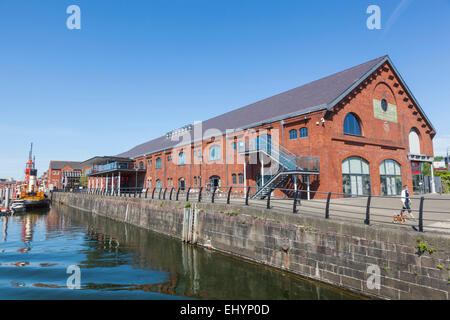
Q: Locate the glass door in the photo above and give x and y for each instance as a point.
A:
(418, 186)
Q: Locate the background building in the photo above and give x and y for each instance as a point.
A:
(63, 174)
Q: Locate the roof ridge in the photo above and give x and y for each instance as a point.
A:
(320, 92)
(306, 84)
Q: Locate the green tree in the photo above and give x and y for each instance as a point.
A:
(445, 178)
(427, 169)
(83, 180)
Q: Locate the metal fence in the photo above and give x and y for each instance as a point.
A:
(427, 213)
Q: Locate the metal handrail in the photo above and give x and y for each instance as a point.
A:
(234, 195)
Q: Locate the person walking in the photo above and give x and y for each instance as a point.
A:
(406, 202)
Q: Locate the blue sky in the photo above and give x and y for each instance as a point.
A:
(140, 68)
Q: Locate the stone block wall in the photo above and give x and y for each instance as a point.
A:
(344, 254)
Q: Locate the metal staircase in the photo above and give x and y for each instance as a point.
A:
(274, 182)
(289, 163)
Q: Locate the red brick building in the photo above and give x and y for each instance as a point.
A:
(355, 132)
(63, 171)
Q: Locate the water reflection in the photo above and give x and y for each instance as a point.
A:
(118, 260)
(194, 272)
(5, 228)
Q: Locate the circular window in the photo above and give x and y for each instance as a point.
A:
(384, 105)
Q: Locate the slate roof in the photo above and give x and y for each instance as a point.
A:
(58, 165)
(317, 95)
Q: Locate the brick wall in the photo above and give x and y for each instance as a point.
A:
(380, 140)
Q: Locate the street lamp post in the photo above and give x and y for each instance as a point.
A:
(447, 162)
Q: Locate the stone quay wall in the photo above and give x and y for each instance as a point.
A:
(379, 262)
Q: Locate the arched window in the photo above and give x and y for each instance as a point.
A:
(355, 177)
(351, 125)
(158, 185)
(214, 182)
(181, 158)
(214, 153)
(414, 142)
(390, 178)
(293, 134)
(384, 105)
(303, 132)
(182, 184)
(158, 163)
(141, 165)
(234, 178)
(195, 180)
(241, 178)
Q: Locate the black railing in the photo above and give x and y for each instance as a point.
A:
(433, 211)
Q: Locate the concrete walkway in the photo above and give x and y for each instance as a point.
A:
(436, 209)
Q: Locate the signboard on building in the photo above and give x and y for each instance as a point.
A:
(440, 165)
(389, 115)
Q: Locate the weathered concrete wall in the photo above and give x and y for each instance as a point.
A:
(335, 252)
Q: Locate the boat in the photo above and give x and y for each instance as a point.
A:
(18, 206)
(30, 196)
(4, 212)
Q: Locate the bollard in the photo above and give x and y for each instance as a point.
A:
(178, 193)
(146, 191)
(170, 195)
(422, 199)
(159, 195)
(187, 194)
(164, 195)
(153, 193)
(247, 195)
(367, 220)
(229, 194)
(200, 194)
(327, 208)
(268, 198)
(294, 209)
